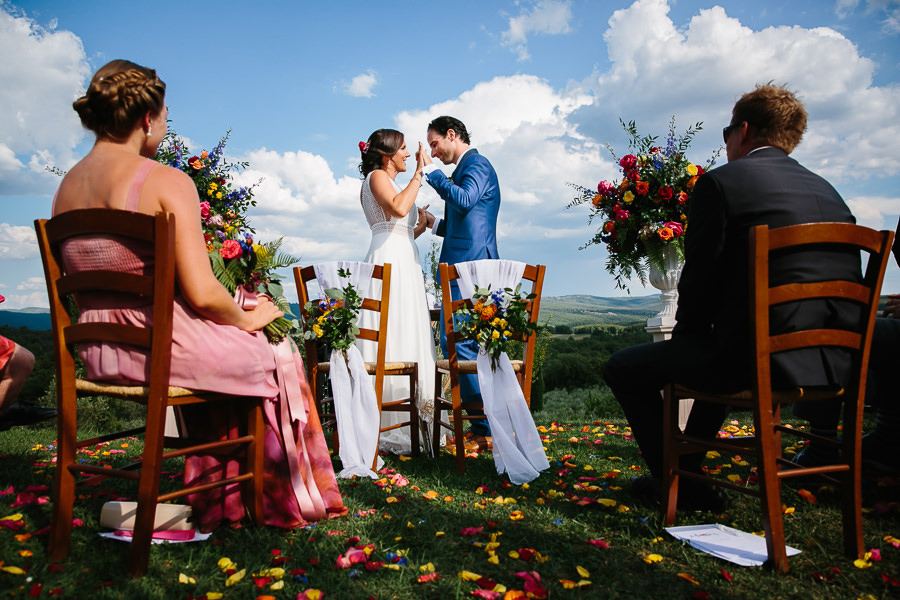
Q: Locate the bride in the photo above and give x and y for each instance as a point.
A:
(395, 223)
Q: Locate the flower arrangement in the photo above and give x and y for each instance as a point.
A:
(645, 213)
(333, 319)
(236, 259)
(495, 319)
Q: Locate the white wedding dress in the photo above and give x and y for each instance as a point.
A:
(409, 337)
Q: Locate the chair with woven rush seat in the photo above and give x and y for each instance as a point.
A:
(766, 245)
(380, 368)
(153, 287)
(453, 368)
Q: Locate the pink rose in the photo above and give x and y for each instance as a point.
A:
(204, 210)
(628, 162)
(676, 228)
(604, 188)
(230, 249)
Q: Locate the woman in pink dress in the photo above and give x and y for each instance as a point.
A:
(217, 345)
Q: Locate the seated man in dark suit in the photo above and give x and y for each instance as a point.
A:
(711, 344)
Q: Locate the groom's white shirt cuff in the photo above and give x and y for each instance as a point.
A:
(437, 222)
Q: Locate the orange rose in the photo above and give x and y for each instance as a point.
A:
(596, 200)
(692, 181)
(665, 234)
(642, 187)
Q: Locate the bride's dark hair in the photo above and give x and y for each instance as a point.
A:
(382, 142)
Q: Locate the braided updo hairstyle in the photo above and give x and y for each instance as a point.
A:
(382, 142)
(119, 94)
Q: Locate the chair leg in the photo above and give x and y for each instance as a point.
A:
(436, 416)
(414, 412)
(148, 487)
(254, 460)
(64, 483)
(851, 484)
(770, 487)
(670, 456)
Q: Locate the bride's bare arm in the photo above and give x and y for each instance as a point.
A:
(198, 285)
(394, 204)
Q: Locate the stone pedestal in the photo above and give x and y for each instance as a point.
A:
(662, 324)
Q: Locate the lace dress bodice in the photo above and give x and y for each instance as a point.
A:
(380, 222)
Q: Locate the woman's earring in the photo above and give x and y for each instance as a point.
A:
(149, 130)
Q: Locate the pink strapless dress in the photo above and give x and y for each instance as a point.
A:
(300, 484)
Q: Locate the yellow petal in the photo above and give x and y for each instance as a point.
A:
(233, 579)
(277, 585)
(861, 563)
(427, 568)
(494, 559)
(468, 576)
(182, 578)
(652, 558)
(582, 571)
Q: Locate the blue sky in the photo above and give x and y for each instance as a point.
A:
(541, 86)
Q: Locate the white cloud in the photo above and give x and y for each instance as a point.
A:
(17, 242)
(698, 72)
(361, 86)
(547, 17)
(39, 125)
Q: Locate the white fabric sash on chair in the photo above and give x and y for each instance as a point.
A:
(518, 450)
(355, 403)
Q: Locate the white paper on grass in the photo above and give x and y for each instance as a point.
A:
(198, 537)
(733, 545)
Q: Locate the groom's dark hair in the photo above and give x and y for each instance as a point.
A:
(442, 125)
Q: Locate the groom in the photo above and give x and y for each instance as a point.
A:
(471, 200)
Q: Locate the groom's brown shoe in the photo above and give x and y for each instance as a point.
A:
(473, 442)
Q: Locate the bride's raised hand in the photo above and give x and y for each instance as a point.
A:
(422, 158)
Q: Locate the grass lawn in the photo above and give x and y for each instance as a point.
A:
(430, 533)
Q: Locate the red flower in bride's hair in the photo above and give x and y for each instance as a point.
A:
(364, 147)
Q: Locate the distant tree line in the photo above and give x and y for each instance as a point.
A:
(573, 363)
(567, 363)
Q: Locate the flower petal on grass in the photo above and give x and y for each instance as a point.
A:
(598, 543)
(687, 577)
(428, 577)
(652, 558)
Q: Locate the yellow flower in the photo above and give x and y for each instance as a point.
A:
(496, 321)
(318, 331)
(214, 186)
(503, 323)
(495, 334)
(219, 195)
(691, 169)
(628, 198)
(507, 333)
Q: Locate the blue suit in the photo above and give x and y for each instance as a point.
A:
(471, 202)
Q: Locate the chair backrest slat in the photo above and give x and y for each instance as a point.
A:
(112, 333)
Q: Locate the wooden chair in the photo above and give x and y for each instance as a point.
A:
(380, 368)
(766, 403)
(156, 288)
(452, 367)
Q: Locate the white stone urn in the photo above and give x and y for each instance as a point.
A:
(667, 283)
(662, 324)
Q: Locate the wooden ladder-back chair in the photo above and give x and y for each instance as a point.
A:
(766, 403)
(316, 370)
(156, 288)
(453, 368)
